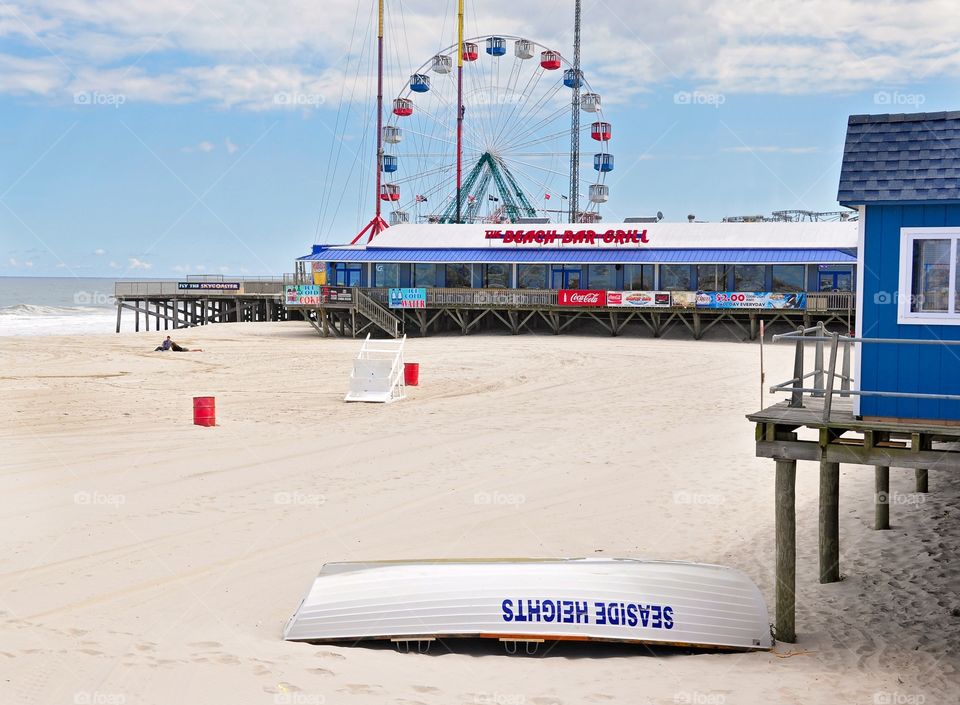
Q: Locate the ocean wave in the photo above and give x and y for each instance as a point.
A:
(35, 310)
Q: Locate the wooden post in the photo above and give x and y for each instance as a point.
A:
(882, 484)
(136, 316)
(829, 522)
(119, 310)
(921, 476)
(796, 398)
(786, 540)
(818, 362)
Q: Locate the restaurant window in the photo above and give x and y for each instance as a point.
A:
(531, 276)
(386, 274)
(749, 277)
(711, 277)
(929, 264)
(459, 276)
(638, 277)
(675, 277)
(789, 277)
(425, 275)
(496, 276)
(601, 276)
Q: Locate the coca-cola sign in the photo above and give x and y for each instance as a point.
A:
(581, 297)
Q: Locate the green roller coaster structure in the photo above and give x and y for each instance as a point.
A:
(473, 192)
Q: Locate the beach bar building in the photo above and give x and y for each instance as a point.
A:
(550, 275)
(899, 405)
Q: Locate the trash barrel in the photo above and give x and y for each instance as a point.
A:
(204, 411)
(411, 374)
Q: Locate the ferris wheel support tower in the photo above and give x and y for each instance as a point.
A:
(574, 200)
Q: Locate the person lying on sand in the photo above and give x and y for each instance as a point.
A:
(168, 344)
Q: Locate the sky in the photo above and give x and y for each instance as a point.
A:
(161, 139)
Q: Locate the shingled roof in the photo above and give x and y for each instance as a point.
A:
(912, 157)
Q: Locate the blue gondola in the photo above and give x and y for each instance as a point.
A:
(572, 78)
(603, 161)
(496, 46)
(389, 163)
(419, 83)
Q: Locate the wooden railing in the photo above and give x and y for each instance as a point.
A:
(257, 286)
(368, 306)
(830, 301)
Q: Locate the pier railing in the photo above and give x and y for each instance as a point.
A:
(257, 286)
(836, 348)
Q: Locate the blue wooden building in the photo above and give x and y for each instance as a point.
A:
(902, 172)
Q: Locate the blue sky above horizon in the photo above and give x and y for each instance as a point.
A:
(153, 139)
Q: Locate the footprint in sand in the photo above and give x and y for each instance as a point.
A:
(426, 689)
(205, 644)
(149, 646)
(331, 654)
(260, 670)
(320, 671)
(361, 689)
(228, 659)
(91, 652)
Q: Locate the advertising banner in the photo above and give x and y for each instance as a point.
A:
(319, 273)
(683, 299)
(581, 297)
(751, 299)
(301, 295)
(408, 298)
(638, 299)
(209, 286)
(336, 294)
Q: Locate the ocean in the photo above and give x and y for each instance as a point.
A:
(58, 306)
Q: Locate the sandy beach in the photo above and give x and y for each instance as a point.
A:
(147, 560)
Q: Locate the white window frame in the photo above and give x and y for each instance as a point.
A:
(904, 315)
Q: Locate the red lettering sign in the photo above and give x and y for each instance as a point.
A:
(581, 297)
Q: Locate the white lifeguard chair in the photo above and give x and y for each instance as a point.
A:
(378, 372)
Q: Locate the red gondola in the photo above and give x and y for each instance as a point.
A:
(403, 107)
(470, 51)
(601, 131)
(550, 60)
(389, 192)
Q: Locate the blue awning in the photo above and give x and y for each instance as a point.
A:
(594, 256)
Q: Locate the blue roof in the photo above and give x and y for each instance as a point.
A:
(897, 158)
(594, 256)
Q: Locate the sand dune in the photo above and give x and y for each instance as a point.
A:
(146, 560)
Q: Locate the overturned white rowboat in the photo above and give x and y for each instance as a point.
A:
(586, 599)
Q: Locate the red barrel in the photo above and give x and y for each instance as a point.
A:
(204, 411)
(411, 374)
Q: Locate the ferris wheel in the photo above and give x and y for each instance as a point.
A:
(516, 138)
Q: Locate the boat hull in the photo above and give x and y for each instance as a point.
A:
(619, 600)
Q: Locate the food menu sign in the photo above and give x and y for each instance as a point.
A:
(751, 299)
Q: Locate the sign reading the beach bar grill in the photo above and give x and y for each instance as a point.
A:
(408, 298)
(581, 297)
(638, 299)
(301, 295)
(209, 286)
(751, 299)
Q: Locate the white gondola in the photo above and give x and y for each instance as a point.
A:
(399, 217)
(523, 49)
(391, 134)
(442, 63)
(622, 600)
(590, 102)
(599, 193)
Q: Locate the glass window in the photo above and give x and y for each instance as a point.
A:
(425, 275)
(496, 276)
(675, 277)
(386, 274)
(711, 277)
(749, 277)
(789, 277)
(459, 276)
(931, 276)
(531, 276)
(638, 277)
(601, 276)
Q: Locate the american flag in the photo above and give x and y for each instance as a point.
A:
(470, 199)
(546, 196)
(421, 198)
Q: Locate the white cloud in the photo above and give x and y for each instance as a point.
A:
(114, 265)
(13, 262)
(246, 53)
(28, 263)
(135, 263)
(204, 146)
(99, 252)
(231, 147)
